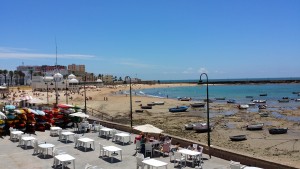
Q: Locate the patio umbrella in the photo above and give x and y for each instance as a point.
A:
(19, 111)
(2, 115)
(40, 112)
(33, 111)
(79, 114)
(65, 106)
(10, 107)
(148, 128)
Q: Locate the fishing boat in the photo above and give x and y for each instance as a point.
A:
(263, 94)
(264, 114)
(150, 104)
(220, 98)
(262, 106)
(251, 104)
(201, 127)
(238, 138)
(197, 104)
(209, 100)
(184, 99)
(258, 126)
(284, 100)
(189, 126)
(297, 100)
(249, 97)
(178, 109)
(278, 130)
(259, 101)
(231, 101)
(243, 106)
(139, 111)
(146, 107)
(158, 103)
(296, 92)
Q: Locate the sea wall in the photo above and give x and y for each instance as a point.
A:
(214, 150)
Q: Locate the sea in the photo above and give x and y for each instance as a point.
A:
(238, 92)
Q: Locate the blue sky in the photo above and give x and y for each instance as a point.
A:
(157, 39)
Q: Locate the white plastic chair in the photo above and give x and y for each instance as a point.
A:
(55, 153)
(113, 135)
(148, 149)
(36, 149)
(235, 165)
(77, 143)
(139, 160)
(102, 151)
(21, 142)
(178, 158)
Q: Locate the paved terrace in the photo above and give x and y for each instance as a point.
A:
(14, 157)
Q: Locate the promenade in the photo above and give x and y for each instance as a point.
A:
(16, 157)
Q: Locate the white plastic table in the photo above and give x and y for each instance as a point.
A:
(248, 167)
(54, 130)
(46, 146)
(154, 163)
(15, 134)
(65, 158)
(189, 153)
(26, 140)
(67, 134)
(113, 149)
(121, 137)
(106, 131)
(85, 141)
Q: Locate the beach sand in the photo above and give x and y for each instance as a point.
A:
(279, 148)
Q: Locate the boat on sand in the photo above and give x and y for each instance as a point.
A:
(238, 138)
(189, 126)
(201, 127)
(178, 109)
(278, 130)
(197, 104)
(258, 126)
(243, 106)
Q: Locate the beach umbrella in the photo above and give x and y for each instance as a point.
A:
(147, 128)
(2, 115)
(10, 107)
(19, 111)
(65, 106)
(40, 112)
(33, 111)
(79, 114)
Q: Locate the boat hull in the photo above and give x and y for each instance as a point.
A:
(278, 130)
(178, 109)
(238, 138)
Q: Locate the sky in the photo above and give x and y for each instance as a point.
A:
(155, 39)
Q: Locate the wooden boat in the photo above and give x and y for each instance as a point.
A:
(251, 104)
(189, 126)
(146, 107)
(197, 104)
(231, 101)
(209, 100)
(137, 101)
(264, 114)
(297, 100)
(284, 100)
(258, 126)
(278, 130)
(238, 138)
(259, 101)
(296, 92)
(139, 111)
(150, 104)
(158, 103)
(263, 106)
(263, 94)
(201, 127)
(243, 106)
(178, 109)
(185, 99)
(220, 98)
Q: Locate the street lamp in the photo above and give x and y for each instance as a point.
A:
(207, 110)
(66, 91)
(130, 99)
(57, 78)
(84, 94)
(46, 83)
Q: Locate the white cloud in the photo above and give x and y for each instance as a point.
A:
(202, 70)
(22, 53)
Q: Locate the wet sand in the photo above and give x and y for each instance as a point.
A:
(279, 148)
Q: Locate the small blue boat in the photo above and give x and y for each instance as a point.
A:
(178, 109)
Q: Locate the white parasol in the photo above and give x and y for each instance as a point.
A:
(148, 128)
(2, 115)
(79, 114)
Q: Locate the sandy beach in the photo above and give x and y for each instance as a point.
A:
(280, 148)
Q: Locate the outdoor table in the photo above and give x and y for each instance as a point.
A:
(54, 130)
(65, 158)
(112, 149)
(27, 139)
(248, 167)
(85, 141)
(15, 134)
(106, 131)
(154, 163)
(46, 146)
(121, 137)
(189, 153)
(67, 134)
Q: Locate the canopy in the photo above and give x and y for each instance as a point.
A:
(9, 107)
(148, 128)
(35, 101)
(79, 114)
(2, 115)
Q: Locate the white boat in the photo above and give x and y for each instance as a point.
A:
(243, 106)
(259, 101)
(201, 127)
(197, 104)
(159, 103)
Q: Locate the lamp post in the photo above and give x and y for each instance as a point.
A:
(46, 83)
(66, 91)
(84, 94)
(130, 99)
(207, 110)
(57, 78)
